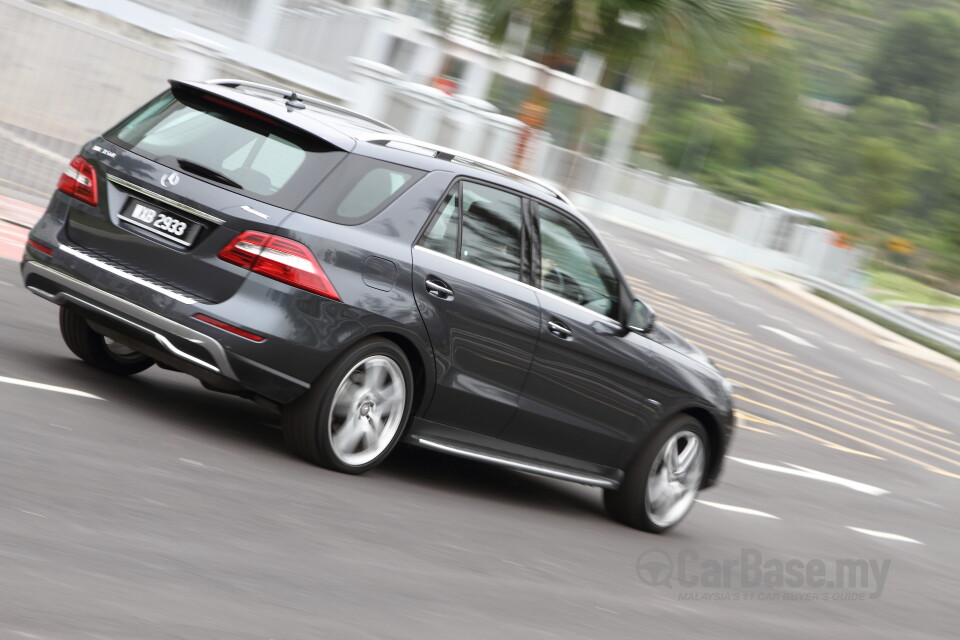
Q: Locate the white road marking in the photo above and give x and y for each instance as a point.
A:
(743, 510)
(60, 426)
(950, 397)
(608, 610)
(195, 463)
(803, 472)
(672, 255)
(917, 380)
(32, 513)
(789, 336)
(723, 294)
(842, 347)
(884, 535)
(5, 284)
(878, 363)
(48, 387)
(747, 305)
(809, 332)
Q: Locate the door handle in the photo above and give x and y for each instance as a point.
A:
(439, 289)
(560, 330)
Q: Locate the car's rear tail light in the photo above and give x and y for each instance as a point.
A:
(220, 324)
(80, 181)
(42, 248)
(279, 258)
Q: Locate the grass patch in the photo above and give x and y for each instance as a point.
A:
(886, 286)
(892, 326)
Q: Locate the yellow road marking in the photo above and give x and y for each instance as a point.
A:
(800, 432)
(844, 434)
(854, 412)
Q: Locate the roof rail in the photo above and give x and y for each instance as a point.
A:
(426, 148)
(292, 95)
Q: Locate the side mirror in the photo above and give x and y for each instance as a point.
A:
(642, 317)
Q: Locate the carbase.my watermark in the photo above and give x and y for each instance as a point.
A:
(750, 576)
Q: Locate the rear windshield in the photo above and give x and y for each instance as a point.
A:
(230, 146)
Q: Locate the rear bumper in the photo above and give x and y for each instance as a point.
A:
(170, 342)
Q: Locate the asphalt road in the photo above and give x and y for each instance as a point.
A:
(157, 509)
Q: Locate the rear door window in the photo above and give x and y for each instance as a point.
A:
(486, 231)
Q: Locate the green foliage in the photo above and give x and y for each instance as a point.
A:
(701, 137)
(892, 287)
(881, 178)
(919, 60)
(893, 118)
(767, 90)
(670, 31)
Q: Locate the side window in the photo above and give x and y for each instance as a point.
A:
(358, 189)
(491, 235)
(442, 234)
(573, 266)
(371, 190)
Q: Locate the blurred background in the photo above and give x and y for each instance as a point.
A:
(811, 145)
(815, 137)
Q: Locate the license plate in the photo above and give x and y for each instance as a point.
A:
(161, 222)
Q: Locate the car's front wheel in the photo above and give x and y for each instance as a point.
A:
(101, 352)
(355, 414)
(661, 484)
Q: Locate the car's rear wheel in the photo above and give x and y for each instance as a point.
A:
(101, 352)
(661, 484)
(355, 414)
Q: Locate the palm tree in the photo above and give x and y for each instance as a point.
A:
(674, 35)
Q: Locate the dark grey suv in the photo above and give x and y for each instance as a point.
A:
(374, 288)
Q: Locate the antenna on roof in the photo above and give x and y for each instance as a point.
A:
(293, 101)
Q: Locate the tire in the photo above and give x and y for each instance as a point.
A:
(97, 350)
(355, 414)
(641, 501)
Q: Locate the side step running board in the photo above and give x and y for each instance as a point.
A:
(538, 468)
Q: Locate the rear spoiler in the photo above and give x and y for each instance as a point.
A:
(261, 107)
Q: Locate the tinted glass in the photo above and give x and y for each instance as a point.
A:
(491, 234)
(232, 147)
(573, 266)
(442, 234)
(358, 189)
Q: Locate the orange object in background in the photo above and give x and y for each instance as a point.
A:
(534, 115)
(446, 85)
(841, 240)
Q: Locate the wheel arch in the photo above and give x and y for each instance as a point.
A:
(421, 366)
(715, 447)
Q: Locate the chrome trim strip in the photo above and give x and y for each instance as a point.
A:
(138, 313)
(126, 276)
(550, 472)
(613, 323)
(165, 199)
(169, 346)
(255, 212)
